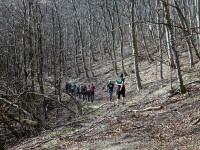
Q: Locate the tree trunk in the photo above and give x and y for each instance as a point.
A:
(81, 40)
(31, 46)
(160, 43)
(24, 48)
(186, 33)
(121, 38)
(54, 51)
(178, 69)
(135, 48)
(149, 58)
(111, 17)
(40, 50)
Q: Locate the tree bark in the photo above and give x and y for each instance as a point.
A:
(121, 38)
(135, 48)
(178, 69)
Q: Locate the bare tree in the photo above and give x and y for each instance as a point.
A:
(135, 48)
(170, 28)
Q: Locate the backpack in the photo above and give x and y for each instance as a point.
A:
(111, 86)
(80, 88)
(72, 86)
(77, 88)
(119, 84)
(88, 88)
(92, 87)
(66, 85)
(123, 85)
(119, 81)
(84, 88)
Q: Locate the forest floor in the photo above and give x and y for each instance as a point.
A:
(154, 118)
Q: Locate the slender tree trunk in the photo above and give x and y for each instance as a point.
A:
(121, 38)
(76, 54)
(91, 32)
(24, 47)
(186, 33)
(107, 36)
(31, 46)
(111, 17)
(149, 58)
(169, 50)
(178, 69)
(54, 51)
(135, 48)
(160, 43)
(60, 31)
(197, 13)
(81, 40)
(82, 51)
(40, 50)
(198, 3)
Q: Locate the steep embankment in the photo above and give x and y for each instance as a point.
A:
(154, 118)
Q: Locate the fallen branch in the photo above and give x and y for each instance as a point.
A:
(16, 106)
(27, 122)
(197, 118)
(60, 103)
(147, 109)
(197, 81)
(77, 103)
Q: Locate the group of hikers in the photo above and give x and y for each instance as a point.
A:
(81, 90)
(87, 91)
(120, 88)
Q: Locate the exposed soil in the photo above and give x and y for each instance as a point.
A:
(154, 118)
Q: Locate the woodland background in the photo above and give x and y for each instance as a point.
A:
(44, 43)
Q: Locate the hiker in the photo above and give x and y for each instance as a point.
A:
(110, 89)
(77, 90)
(84, 91)
(73, 89)
(92, 88)
(123, 89)
(67, 87)
(80, 90)
(88, 92)
(120, 88)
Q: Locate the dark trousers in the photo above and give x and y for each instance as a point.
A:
(84, 95)
(88, 95)
(92, 96)
(110, 93)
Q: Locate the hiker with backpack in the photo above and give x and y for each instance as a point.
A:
(67, 87)
(77, 90)
(88, 92)
(73, 88)
(110, 89)
(84, 91)
(92, 88)
(80, 91)
(123, 90)
(120, 88)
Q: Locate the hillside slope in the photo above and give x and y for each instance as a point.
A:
(154, 118)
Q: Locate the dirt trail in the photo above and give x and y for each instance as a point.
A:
(151, 119)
